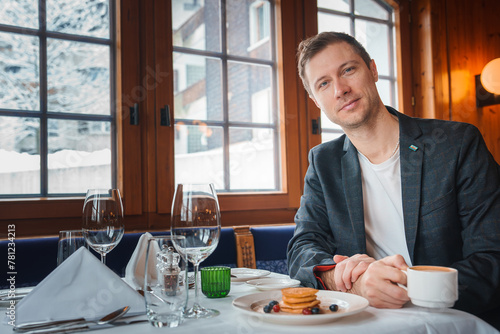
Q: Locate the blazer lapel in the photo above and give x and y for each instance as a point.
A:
(351, 176)
(411, 157)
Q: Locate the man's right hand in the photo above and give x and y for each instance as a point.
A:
(379, 282)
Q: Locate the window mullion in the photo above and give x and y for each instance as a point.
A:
(43, 135)
(274, 101)
(225, 104)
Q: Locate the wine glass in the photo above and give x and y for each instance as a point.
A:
(196, 216)
(103, 220)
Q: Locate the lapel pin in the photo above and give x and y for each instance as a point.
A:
(413, 148)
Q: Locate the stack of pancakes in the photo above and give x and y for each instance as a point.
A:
(294, 300)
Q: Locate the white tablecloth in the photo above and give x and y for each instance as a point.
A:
(410, 319)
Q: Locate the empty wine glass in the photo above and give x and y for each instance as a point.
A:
(103, 220)
(196, 216)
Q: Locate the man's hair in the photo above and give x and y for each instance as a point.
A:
(310, 47)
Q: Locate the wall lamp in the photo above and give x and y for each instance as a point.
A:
(488, 84)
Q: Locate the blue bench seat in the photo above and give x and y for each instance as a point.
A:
(36, 258)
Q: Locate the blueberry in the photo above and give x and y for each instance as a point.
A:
(273, 302)
(268, 309)
(315, 310)
(334, 307)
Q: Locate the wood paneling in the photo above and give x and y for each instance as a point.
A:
(455, 39)
(403, 56)
(474, 40)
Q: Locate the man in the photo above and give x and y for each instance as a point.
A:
(395, 191)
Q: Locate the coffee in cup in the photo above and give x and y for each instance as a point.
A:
(432, 286)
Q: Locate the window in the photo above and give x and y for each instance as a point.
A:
(259, 21)
(372, 23)
(56, 97)
(226, 119)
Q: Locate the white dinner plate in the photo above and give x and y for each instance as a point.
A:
(268, 283)
(19, 294)
(246, 274)
(348, 304)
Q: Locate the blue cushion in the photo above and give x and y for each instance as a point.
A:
(270, 247)
(36, 258)
(225, 253)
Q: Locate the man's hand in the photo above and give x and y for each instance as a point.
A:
(379, 283)
(349, 269)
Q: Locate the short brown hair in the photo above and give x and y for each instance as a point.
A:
(310, 47)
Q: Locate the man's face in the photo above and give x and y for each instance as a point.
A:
(343, 86)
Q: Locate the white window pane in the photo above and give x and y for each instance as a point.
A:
(19, 68)
(375, 38)
(78, 78)
(84, 17)
(252, 161)
(199, 155)
(249, 93)
(252, 40)
(338, 5)
(20, 156)
(195, 96)
(327, 124)
(329, 130)
(384, 90)
(327, 136)
(330, 22)
(79, 156)
(370, 8)
(21, 13)
(196, 24)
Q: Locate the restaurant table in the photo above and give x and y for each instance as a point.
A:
(409, 319)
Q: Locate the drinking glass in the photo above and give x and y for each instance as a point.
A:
(165, 282)
(196, 216)
(103, 220)
(69, 242)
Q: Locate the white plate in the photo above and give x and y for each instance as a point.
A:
(19, 294)
(349, 304)
(246, 274)
(268, 283)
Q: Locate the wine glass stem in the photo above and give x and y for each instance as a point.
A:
(103, 258)
(196, 285)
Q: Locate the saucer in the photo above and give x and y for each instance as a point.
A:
(266, 284)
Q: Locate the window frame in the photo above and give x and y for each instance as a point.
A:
(231, 202)
(44, 115)
(226, 60)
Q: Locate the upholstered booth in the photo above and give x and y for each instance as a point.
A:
(36, 258)
(270, 247)
(263, 247)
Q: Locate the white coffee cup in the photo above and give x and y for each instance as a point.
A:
(432, 286)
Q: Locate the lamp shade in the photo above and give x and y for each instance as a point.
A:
(490, 76)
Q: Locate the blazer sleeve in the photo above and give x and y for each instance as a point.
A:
(478, 199)
(312, 244)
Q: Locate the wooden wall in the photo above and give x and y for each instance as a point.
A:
(463, 36)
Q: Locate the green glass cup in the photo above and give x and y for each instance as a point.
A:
(215, 281)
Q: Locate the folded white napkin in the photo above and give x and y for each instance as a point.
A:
(134, 272)
(80, 287)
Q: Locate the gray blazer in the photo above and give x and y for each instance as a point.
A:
(451, 204)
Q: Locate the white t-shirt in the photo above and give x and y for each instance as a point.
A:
(383, 208)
